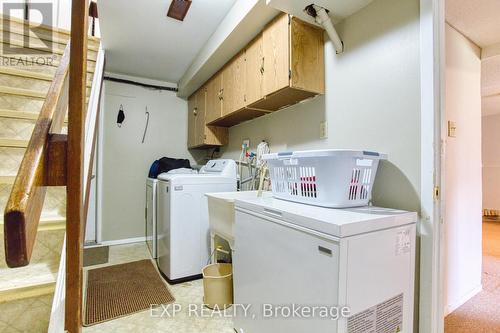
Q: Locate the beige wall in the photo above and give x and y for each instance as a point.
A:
(463, 171)
(372, 101)
(126, 161)
(491, 161)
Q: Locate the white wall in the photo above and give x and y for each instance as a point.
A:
(491, 161)
(463, 171)
(126, 161)
(372, 101)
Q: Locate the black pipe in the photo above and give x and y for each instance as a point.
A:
(146, 85)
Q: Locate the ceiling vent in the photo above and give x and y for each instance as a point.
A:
(178, 9)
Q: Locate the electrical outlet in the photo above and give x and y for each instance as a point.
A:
(323, 130)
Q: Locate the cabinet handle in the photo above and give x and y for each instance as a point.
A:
(262, 66)
(195, 111)
(222, 94)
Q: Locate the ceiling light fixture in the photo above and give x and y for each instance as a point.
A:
(178, 9)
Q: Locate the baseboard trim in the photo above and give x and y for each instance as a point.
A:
(452, 307)
(119, 242)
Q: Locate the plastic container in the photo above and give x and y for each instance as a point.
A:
(218, 286)
(328, 178)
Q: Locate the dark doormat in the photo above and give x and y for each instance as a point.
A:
(95, 256)
(120, 290)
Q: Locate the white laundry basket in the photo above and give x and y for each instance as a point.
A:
(328, 178)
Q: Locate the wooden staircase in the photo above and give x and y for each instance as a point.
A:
(26, 292)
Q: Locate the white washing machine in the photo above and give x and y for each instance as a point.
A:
(183, 229)
(290, 255)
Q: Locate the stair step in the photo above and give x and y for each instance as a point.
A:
(10, 159)
(6, 113)
(21, 103)
(22, 92)
(7, 179)
(27, 74)
(33, 317)
(31, 64)
(47, 223)
(54, 204)
(17, 129)
(62, 32)
(37, 278)
(21, 78)
(11, 143)
(14, 114)
(42, 36)
(40, 48)
(11, 81)
(20, 293)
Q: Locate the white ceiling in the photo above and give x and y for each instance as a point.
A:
(140, 40)
(479, 20)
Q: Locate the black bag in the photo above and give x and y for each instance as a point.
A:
(166, 164)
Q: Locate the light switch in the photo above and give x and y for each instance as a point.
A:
(452, 129)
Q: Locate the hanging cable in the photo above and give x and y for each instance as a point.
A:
(147, 124)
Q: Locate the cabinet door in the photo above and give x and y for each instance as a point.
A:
(214, 98)
(254, 70)
(233, 85)
(307, 57)
(200, 117)
(276, 55)
(192, 120)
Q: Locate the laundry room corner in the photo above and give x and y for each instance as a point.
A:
(139, 124)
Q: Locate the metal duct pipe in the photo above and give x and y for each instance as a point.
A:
(321, 17)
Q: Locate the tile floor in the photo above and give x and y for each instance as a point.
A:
(150, 321)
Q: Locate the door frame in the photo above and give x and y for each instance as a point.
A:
(432, 67)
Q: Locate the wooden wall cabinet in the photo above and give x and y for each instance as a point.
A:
(293, 70)
(214, 98)
(199, 133)
(281, 66)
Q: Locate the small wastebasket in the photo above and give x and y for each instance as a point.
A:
(218, 286)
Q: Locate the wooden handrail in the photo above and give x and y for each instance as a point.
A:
(24, 207)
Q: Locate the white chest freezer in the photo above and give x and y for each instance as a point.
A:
(290, 255)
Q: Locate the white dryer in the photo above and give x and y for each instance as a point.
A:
(183, 229)
(150, 215)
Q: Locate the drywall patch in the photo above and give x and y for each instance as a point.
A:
(386, 317)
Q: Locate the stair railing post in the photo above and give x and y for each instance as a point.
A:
(75, 157)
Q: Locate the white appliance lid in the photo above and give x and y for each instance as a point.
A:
(334, 222)
(196, 178)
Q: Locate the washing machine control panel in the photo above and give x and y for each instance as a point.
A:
(215, 166)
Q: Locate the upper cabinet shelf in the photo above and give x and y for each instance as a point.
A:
(282, 65)
(293, 63)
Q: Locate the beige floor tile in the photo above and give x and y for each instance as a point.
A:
(151, 321)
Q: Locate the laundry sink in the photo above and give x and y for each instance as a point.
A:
(221, 211)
